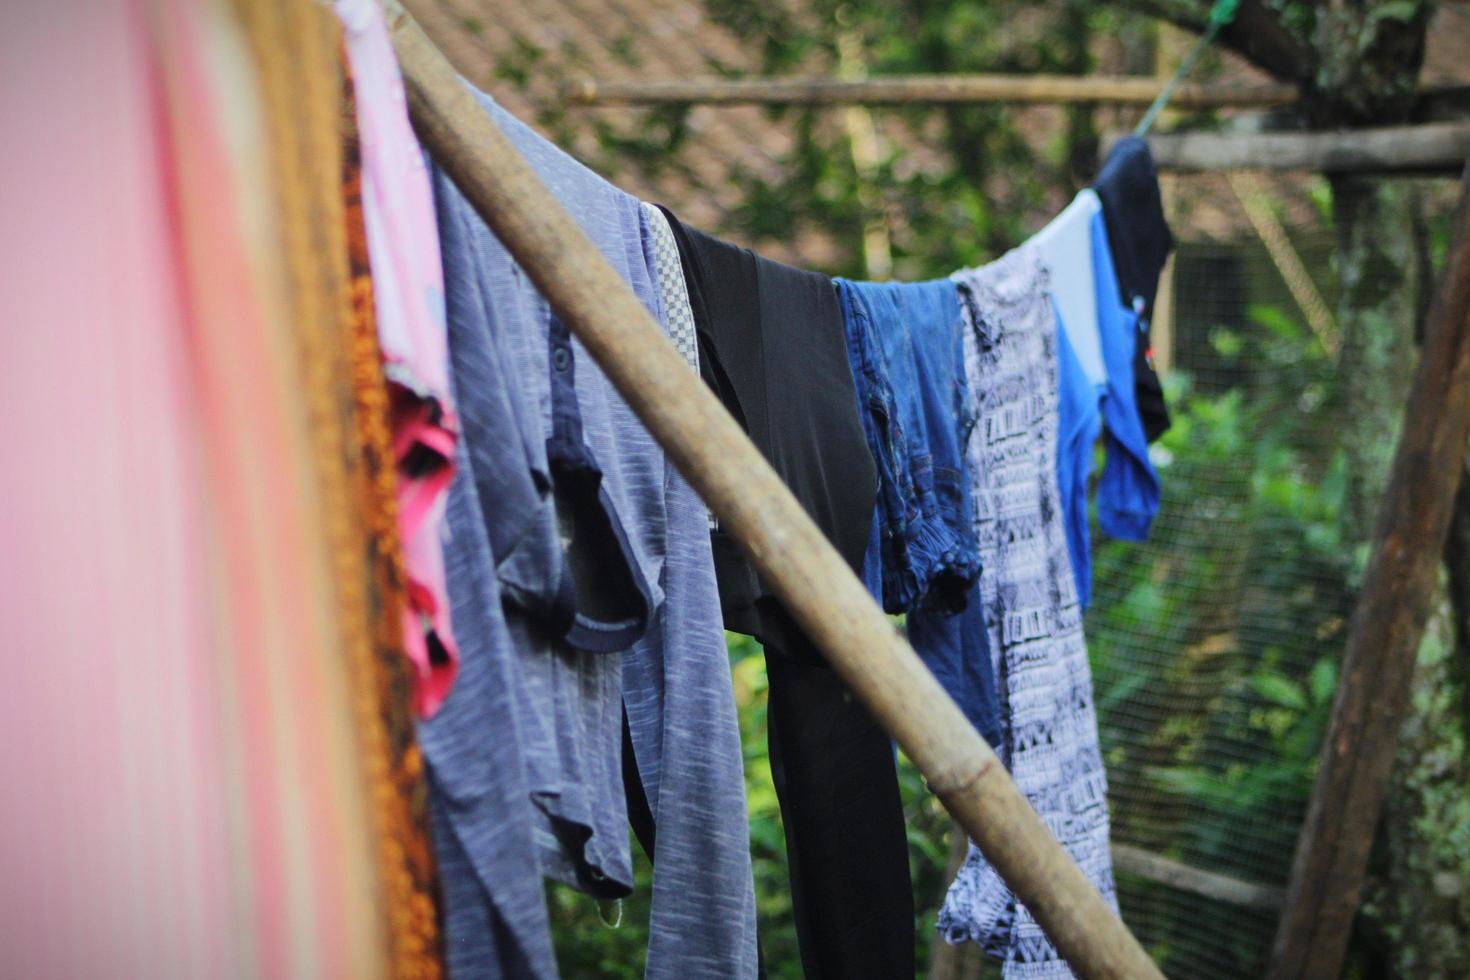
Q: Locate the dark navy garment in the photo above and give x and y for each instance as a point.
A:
(605, 600)
(956, 649)
(903, 343)
(1128, 490)
(772, 348)
(1139, 237)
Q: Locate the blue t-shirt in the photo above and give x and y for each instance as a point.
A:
(1128, 489)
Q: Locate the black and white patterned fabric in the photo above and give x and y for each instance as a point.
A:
(671, 287)
(1044, 683)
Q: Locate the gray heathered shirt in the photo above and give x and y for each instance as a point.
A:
(495, 921)
(567, 707)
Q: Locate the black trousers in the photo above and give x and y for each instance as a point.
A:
(835, 774)
(833, 767)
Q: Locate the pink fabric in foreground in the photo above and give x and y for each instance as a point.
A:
(408, 290)
(183, 791)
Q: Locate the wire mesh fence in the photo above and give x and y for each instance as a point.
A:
(1215, 643)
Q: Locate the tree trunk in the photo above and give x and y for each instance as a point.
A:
(1457, 562)
(1415, 916)
(1415, 919)
(1417, 909)
(1377, 304)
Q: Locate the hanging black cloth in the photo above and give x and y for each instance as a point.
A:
(1140, 241)
(772, 346)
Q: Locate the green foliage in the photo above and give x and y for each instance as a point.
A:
(1215, 649)
(955, 183)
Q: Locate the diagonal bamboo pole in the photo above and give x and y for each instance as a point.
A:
(752, 503)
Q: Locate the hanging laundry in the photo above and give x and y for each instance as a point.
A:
(597, 548)
(495, 918)
(408, 292)
(682, 723)
(1035, 627)
(922, 559)
(1128, 490)
(532, 718)
(772, 346)
(1140, 242)
(296, 48)
(181, 736)
(385, 707)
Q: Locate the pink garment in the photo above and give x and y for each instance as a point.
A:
(408, 289)
(183, 791)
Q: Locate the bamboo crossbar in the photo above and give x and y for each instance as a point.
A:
(1439, 147)
(756, 508)
(903, 89)
(1129, 860)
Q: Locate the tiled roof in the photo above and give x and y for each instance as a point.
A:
(521, 52)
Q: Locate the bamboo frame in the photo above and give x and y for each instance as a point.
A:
(758, 510)
(901, 89)
(1129, 860)
(1423, 148)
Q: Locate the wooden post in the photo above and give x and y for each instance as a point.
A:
(1332, 852)
(708, 447)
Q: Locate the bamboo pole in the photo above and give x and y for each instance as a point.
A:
(1284, 256)
(751, 502)
(1388, 623)
(897, 89)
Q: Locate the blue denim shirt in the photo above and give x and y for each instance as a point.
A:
(904, 347)
(906, 350)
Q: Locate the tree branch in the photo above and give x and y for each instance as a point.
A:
(1257, 34)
